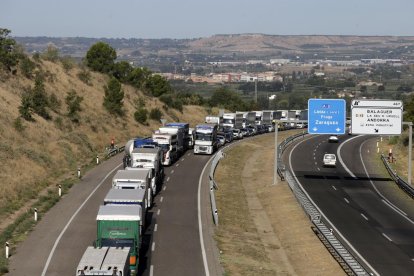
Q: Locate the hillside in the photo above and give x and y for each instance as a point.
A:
(42, 153)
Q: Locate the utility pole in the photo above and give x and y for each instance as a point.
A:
(255, 90)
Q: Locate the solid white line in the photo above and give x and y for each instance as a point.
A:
(155, 227)
(71, 219)
(153, 246)
(161, 199)
(168, 179)
(151, 270)
(385, 200)
(320, 211)
(388, 238)
(346, 200)
(158, 212)
(364, 216)
(177, 165)
(200, 225)
(334, 187)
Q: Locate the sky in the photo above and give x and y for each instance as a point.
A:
(203, 18)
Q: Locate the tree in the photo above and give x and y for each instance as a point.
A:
(25, 108)
(157, 85)
(100, 57)
(226, 98)
(73, 102)
(114, 96)
(8, 55)
(138, 77)
(140, 115)
(122, 70)
(39, 99)
(155, 114)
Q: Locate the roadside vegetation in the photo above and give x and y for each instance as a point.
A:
(57, 116)
(262, 228)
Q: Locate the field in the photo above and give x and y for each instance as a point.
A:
(263, 230)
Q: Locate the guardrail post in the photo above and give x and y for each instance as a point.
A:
(410, 149)
(60, 190)
(35, 214)
(79, 172)
(276, 154)
(97, 159)
(7, 250)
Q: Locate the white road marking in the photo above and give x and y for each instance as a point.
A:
(168, 179)
(388, 238)
(177, 165)
(71, 219)
(334, 187)
(161, 199)
(314, 158)
(323, 214)
(172, 171)
(364, 216)
(316, 163)
(153, 246)
(165, 187)
(318, 169)
(188, 154)
(156, 227)
(158, 212)
(385, 200)
(182, 159)
(346, 200)
(151, 270)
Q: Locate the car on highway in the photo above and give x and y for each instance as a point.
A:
(329, 160)
(222, 140)
(333, 139)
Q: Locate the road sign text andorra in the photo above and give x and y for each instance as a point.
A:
(378, 117)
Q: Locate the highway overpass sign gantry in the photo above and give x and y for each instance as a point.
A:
(326, 116)
(377, 117)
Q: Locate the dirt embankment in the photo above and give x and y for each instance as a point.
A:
(263, 230)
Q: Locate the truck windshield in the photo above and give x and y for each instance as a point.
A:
(204, 136)
(165, 147)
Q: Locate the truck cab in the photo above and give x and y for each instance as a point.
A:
(206, 139)
(168, 144)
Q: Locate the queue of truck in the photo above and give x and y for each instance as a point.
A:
(121, 219)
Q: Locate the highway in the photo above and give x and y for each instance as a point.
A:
(377, 222)
(171, 244)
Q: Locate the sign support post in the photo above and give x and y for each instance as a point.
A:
(276, 153)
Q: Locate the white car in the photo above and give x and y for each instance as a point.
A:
(333, 139)
(329, 160)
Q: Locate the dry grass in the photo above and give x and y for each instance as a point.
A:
(52, 150)
(263, 230)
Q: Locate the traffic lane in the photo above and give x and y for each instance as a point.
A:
(330, 190)
(177, 249)
(382, 181)
(80, 234)
(42, 238)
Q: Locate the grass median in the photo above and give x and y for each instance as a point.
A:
(263, 230)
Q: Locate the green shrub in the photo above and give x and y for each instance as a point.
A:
(114, 96)
(85, 76)
(141, 115)
(27, 66)
(73, 102)
(155, 114)
(67, 63)
(18, 124)
(51, 53)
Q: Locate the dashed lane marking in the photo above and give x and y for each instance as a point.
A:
(153, 246)
(388, 238)
(334, 187)
(168, 179)
(172, 171)
(364, 216)
(346, 200)
(155, 227)
(177, 165)
(165, 187)
(158, 212)
(161, 199)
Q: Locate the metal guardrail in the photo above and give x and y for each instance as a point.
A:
(111, 152)
(398, 180)
(213, 184)
(348, 262)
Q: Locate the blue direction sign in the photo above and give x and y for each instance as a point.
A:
(326, 116)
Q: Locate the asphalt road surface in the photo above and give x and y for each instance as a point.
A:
(171, 244)
(358, 201)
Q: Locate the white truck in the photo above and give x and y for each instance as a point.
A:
(150, 158)
(168, 144)
(185, 128)
(127, 197)
(210, 119)
(136, 178)
(180, 137)
(233, 120)
(206, 139)
(104, 261)
(191, 137)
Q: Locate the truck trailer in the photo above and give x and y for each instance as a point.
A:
(120, 226)
(139, 179)
(168, 144)
(104, 261)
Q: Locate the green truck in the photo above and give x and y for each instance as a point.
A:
(120, 226)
